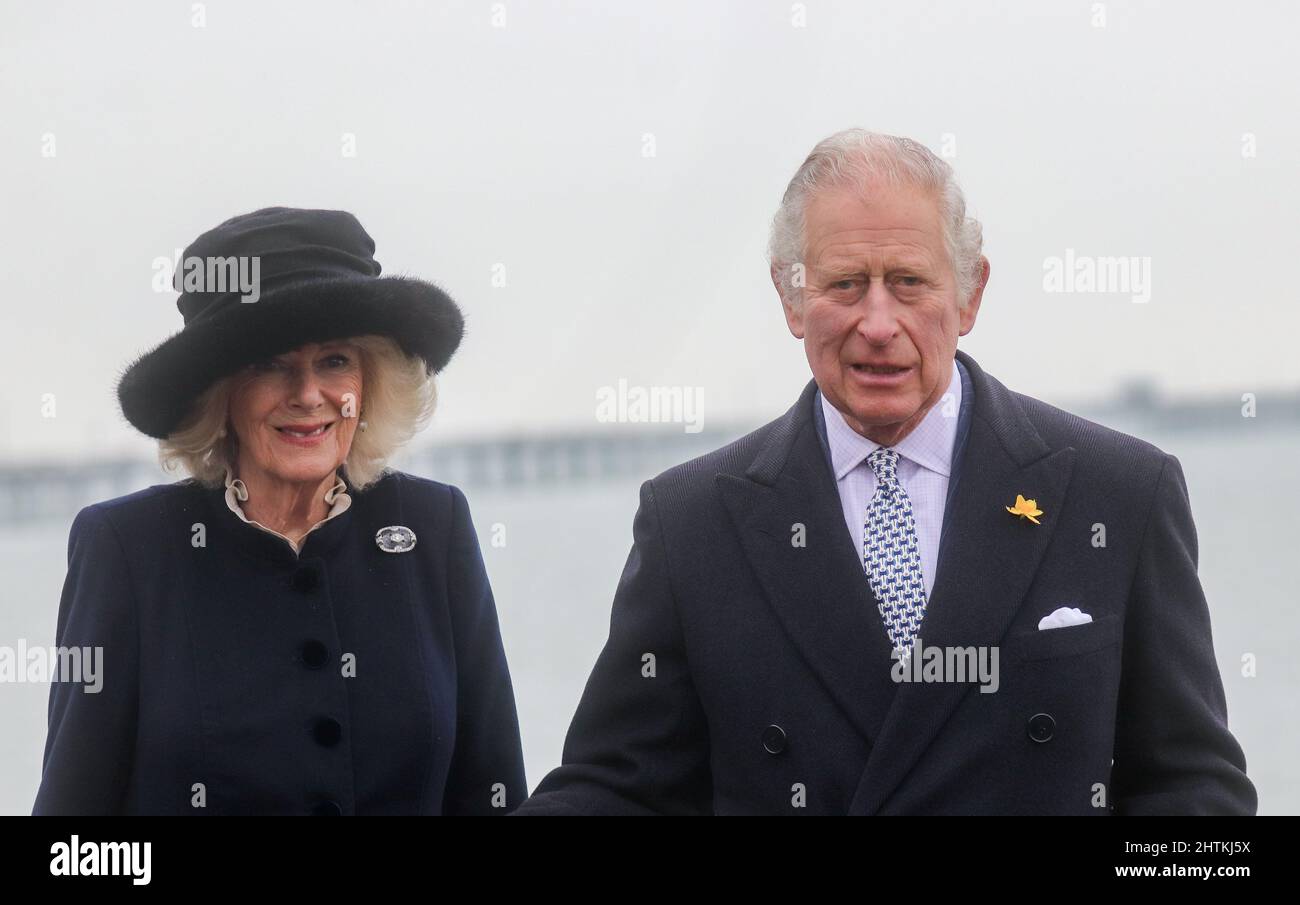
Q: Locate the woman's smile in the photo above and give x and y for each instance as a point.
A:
(305, 435)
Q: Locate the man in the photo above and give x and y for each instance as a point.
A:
(760, 655)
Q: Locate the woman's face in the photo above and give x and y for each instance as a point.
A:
(295, 415)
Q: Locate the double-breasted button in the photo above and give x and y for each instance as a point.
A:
(327, 809)
(774, 739)
(314, 654)
(327, 732)
(1042, 727)
(306, 579)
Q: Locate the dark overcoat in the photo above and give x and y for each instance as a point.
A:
(241, 678)
(748, 671)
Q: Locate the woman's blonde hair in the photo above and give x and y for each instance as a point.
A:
(398, 400)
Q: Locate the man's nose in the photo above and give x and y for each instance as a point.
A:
(878, 322)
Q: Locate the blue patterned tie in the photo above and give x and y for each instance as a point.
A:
(890, 555)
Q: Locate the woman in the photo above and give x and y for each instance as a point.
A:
(294, 629)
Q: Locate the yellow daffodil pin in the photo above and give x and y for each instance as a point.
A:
(1027, 508)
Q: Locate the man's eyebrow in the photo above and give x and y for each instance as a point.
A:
(845, 270)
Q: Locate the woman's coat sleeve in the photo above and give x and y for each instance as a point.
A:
(91, 737)
(487, 768)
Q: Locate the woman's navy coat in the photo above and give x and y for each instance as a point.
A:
(224, 659)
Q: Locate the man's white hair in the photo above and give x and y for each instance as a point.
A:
(854, 159)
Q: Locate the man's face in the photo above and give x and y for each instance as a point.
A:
(880, 315)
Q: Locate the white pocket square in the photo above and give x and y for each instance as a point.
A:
(1066, 615)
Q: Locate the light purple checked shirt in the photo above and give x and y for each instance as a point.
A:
(924, 465)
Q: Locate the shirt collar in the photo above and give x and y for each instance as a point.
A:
(236, 492)
(928, 445)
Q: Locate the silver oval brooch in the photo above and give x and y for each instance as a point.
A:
(395, 539)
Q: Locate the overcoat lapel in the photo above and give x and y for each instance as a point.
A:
(812, 575)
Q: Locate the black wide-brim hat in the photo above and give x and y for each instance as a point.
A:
(318, 281)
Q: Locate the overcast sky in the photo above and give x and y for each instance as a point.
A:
(1167, 133)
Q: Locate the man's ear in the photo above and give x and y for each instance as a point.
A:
(793, 315)
(968, 314)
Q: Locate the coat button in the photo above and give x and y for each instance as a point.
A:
(327, 732)
(774, 739)
(327, 809)
(306, 579)
(314, 654)
(1041, 727)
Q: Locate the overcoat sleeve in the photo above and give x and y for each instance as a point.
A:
(1173, 751)
(638, 743)
(487, 764)
(91, 737)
